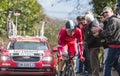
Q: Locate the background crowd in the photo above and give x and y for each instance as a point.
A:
(101, 42)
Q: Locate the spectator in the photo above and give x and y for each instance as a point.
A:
(92, 44)
(86, 64)
(112, 35)
(79, 64)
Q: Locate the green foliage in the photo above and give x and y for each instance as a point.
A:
(52, 28)
(30, 13)
(98, 5)
(29, 21)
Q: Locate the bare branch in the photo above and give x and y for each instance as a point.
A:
(78, 6)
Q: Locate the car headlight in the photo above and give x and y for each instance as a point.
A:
(47, 58)
(4, 58)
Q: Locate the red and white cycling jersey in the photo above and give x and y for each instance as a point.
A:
(70, 43)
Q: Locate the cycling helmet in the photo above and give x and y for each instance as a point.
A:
(70, 24)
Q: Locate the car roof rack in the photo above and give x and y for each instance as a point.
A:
(42, 31)
(12, 28)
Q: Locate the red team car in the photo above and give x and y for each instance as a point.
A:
(27, 55)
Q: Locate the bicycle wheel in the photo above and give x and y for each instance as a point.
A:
(68, 71)
(71, 71)
(65, 72)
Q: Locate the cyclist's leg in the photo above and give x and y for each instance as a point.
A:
(69, 70)
(73, 51)
(61, 63)
(73, 63)
(73, 66)
(61, 66)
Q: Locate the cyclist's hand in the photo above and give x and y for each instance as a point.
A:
(64, 57)
(82, 58)
(59, 58)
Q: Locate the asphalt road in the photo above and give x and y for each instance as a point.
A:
(114, 73)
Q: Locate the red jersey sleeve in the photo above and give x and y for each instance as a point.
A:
(61, 42)
(80, 40)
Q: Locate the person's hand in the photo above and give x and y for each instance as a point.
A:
(59, 58)
(96, 34)
(82, 58)
(95, 29)
(64, 57)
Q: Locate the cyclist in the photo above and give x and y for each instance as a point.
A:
(69, 41)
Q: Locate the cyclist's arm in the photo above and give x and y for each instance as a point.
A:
(61, 44)
(80, 42)
(81, 48)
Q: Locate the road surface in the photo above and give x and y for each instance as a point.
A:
(114, 73)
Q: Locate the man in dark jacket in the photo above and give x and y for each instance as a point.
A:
(112, 35)
(92, 43)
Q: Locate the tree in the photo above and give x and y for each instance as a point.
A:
(30, 11)
(52, 28)
(79, 6)
(100, 4)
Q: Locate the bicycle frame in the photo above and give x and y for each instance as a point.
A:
(68, 70)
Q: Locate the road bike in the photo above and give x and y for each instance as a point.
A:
(68, 70)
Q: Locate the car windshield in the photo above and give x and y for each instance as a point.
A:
(28, 45)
